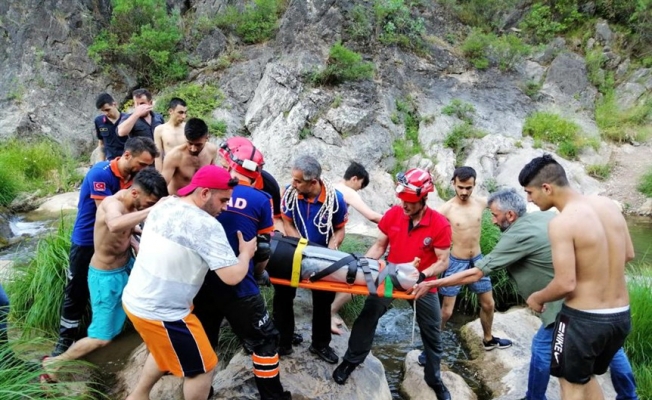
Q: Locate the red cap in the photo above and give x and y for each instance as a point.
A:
(209, 177)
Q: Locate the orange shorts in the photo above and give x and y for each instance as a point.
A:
(179, 347)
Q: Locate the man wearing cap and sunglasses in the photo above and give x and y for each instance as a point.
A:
(410, 230)
(180, 243)
(183, 161)
(250, 211)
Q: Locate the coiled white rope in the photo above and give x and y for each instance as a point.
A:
(323, 220)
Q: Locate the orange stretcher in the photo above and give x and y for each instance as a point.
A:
(384, 289)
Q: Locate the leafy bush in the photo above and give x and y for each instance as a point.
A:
(26, 166)
(36, 287)
(460, 109)
(457, 140)
(256, 23)
(144, 36)
(404, 149)
(486, 14)
(645, 184)
(552, 128)
(397, 26)
(360, 26)
(202, 100)
(639, 342)
(599, 171)
(485, 49)
(622, 126)
(544, 21)
(343, 65)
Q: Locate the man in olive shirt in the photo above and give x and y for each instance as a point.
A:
(524, 250)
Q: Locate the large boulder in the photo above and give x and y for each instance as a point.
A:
(56, 205)
(413, 387)
(302, 373)
(505, 372)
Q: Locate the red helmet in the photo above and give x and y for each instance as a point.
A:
(233, 143)
(414, 185)
(246, 160)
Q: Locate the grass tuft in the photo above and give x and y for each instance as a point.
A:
(645, 183)
(552, 128)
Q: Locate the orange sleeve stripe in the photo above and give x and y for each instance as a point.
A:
(341, 225)
(97, 197)
(285, 217)
(266, 230)
(266, 374)
(264, 360)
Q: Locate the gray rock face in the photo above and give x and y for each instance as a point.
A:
(567, 74)
(210, 47)
(5, 229)
(506, 371)
(413, 387)
(603, 33)
(631, 91)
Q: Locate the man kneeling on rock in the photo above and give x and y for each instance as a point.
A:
(411, 230)
(524, 249)
(111, 263)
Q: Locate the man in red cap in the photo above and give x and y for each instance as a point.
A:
(180, 243)
(411, 230)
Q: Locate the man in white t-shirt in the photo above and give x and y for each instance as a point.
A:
(181, 241)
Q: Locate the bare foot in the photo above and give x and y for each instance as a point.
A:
(335, 324)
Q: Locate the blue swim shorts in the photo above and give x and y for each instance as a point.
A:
(106, 288)
(456, 265)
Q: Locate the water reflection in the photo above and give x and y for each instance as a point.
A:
(640, 229)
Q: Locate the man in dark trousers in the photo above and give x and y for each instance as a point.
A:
(110, 144)
(249, 211)
(314, 210)
(411, 230)
(104, 179)
(143, 121)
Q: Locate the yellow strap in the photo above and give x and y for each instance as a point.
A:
(296, 262)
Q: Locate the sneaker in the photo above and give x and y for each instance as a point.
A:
(297, 339)
(421, 360)
(285, 350)
(441, 392)
(325, 353)
(496, 343)
(343, 371)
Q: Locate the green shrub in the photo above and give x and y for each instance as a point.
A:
(544, 21)
(360, 25)
(639, 342)
(645, 183)
(457, 140)
(256, 23)
(623, 126)
(202, 100)
(460, 109)
(484, 49)
(343, 65)
(36, 286)
(531, 88)
(405, 148)
(486, 14)
(395, 25)
(599, 171)
(445, 192)
(552, 128)
(144, 36)
(28, 166)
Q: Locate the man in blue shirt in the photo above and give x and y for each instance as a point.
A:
(314, 210)
(104, 179)
(143, 120)
(110, 144)
(249, 211)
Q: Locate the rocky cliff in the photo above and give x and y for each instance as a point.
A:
(49, 84)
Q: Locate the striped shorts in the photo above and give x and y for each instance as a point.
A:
(179, 347)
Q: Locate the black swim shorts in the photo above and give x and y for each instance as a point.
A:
(584, 343)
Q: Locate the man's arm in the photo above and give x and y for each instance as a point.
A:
(232, 275)
(170, 165)
(336, 240)
(116, 221)
(563, 261)
(378, 248)
(290, 228)
(355, 201)
(100, 146)
(125, 127)
(629, 252)
(158, 140)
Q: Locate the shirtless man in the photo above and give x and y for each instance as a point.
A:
(590, 246)
(170, 134)
(355, 178)
(464, 212)
(111, 263)
(183, 161)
